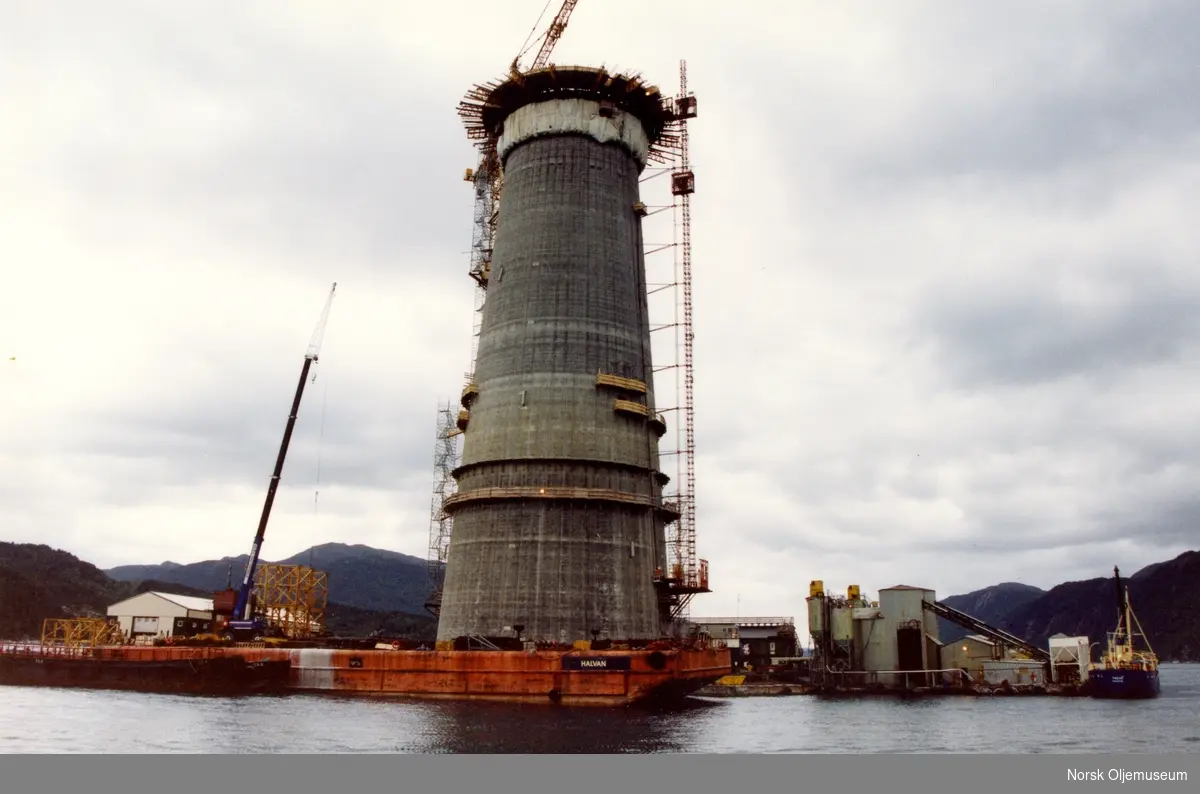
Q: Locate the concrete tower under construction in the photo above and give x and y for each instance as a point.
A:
(559, 522)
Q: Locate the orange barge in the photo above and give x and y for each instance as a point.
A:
(575, 677)
(568, 677)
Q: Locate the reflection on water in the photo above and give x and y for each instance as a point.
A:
(96, 721)
(496, 728)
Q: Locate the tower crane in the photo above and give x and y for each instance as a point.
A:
(548, 39)
(243, 623)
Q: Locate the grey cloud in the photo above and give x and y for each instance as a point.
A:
(254, 141)
(991, 334)
(211, 439)
(1015, 97)
(1036, 90)
(839, 183)
(1166, 513)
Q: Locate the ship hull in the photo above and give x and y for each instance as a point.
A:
(1123, 684)
(231, 675)
(575, 678)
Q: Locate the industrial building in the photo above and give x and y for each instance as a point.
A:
(986, 661)
(970, 653)
(154, 614)
(1070, 659)
(559, 522)
(721, 632)
(893, 643)
(755, 642)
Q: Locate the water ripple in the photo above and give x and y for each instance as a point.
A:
(122, 722)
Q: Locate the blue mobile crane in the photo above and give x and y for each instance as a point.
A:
(244, 623)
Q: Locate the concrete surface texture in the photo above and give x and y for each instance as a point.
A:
(557, 522)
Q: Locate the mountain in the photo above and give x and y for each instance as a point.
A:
(359, 576)
(348, 621)
(38, 582)
(1165, 597)
(376, 589)
(340, 619)
(991, 605)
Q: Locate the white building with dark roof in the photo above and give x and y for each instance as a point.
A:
(154, 614)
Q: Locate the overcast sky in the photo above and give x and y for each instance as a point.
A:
(945, 277)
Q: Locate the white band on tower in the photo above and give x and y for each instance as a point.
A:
(574, 116)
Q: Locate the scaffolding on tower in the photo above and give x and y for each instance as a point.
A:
(487, 179)
(445, 460)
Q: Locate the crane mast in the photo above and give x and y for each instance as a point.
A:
(242, 618)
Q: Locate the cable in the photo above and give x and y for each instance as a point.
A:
(525, 47)
(320, 447)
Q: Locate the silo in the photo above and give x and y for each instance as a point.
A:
(559, 522)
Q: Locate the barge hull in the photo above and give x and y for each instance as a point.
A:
(607, 678)
(571, 678)
(232, 675)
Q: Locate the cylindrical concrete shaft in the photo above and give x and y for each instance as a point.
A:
(566, 301)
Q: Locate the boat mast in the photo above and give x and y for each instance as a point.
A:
(1114, 638)
(1121, 601)
(1128, 617)
(1122, 606)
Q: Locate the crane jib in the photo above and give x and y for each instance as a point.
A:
(242, 608)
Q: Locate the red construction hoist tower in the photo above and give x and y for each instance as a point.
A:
(691, 574)
(687, 576)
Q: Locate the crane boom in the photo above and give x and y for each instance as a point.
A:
(241, 613)
(553, 34)
(548, 39)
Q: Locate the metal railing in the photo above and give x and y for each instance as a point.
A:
(35, 649)
(747, 622)
(871, 677)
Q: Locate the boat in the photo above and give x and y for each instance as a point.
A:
(1125, 671)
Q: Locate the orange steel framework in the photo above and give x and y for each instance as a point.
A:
(292, 598)
(80, 633)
